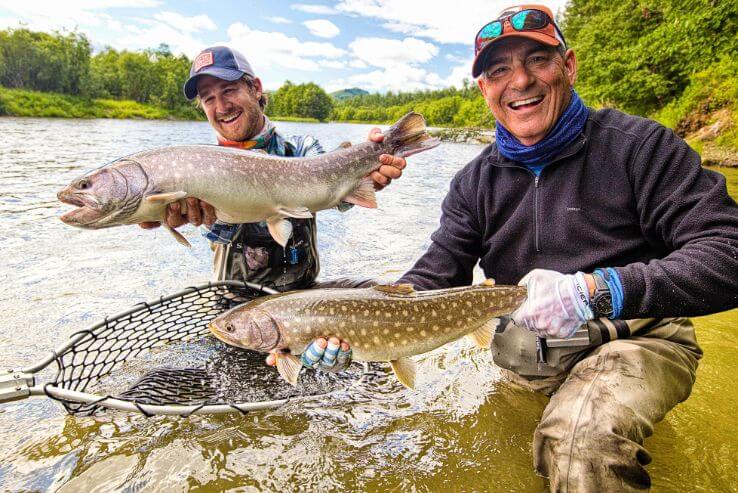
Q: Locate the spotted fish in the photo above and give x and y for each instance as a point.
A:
(243, 186)
(382, 323)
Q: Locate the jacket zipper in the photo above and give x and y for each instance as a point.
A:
(537, 227)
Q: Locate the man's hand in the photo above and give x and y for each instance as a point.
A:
(391, 167)
(198, 212)
(557, 304)
(332, 355)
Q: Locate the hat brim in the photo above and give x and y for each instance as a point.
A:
(190, 87)
(480, 60)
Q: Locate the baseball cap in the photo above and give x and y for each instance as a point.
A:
(219, 61)
(530, 21)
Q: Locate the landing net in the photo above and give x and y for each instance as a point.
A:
(159, 358)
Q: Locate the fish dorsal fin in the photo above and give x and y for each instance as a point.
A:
(363, 195)
(166, 198)
(289, 367)
(177, 235)
(395, 288)
(482, 337)
(489, 283)
(280, 229)
(404, 368)
(296, 212)
(343, 145)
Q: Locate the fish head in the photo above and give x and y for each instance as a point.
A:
(248, 328)
(105, 196)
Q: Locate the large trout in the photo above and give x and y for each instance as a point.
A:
(382, 323)
(242, 186)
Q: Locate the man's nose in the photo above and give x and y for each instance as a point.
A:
(222, 105)
(521, 78)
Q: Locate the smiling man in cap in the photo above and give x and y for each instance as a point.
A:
(617, 232)
(233, 100)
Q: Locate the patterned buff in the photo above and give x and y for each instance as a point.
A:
(260, 140)
(567, 129)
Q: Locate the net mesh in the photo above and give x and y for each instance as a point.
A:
(120, 357)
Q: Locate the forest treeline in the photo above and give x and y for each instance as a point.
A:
(673, 60)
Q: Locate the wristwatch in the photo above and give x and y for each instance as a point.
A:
(601, 300)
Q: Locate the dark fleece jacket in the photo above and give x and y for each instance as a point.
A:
(628, 193)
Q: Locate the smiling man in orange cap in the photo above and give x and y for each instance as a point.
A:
(617, 232)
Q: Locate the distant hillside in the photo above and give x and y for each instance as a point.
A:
(348, 93)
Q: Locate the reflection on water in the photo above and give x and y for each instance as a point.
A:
(462, 429)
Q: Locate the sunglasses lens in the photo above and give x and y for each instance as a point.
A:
(490, 31)
(529, 19)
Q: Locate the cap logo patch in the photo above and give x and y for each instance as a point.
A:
(203, 60)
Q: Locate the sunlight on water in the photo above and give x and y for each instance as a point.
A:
(462, 429)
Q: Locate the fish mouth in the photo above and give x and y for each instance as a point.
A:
(87, 210)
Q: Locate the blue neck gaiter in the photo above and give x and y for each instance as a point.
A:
(569, 126)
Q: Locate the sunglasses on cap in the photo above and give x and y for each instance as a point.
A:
(524, 20)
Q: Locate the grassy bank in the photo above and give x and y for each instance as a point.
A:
(17, 102)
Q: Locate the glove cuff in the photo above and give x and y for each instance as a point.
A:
(581, 297)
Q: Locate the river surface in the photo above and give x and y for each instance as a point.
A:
(463, 429)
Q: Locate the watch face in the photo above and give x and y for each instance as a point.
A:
(603, 305)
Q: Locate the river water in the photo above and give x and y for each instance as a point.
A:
(463, 429)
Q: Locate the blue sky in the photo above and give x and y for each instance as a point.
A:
(377, 45)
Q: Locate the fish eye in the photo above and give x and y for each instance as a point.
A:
(229, 328)
(83, 184)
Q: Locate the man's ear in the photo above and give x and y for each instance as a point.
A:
(257, 87)
(570, 64)
(481, 84)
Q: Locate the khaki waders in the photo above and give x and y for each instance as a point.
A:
(604, 400)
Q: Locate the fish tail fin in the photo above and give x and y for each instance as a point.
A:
(408, 136)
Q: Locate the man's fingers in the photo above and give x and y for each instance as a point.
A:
(344, 356)
(194, 214)
(313, 353)
(174, 215)
(379, 179)
(390, 160)
(331, 351)
(271, 359)
(208, 213)
(390, 172)
(150, 225)
(376, 135)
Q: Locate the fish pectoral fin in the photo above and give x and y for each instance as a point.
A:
(289, 367)
(482, 337)
(177, 235)
(395, 288)
(404, 369)
(166, 198)
(297, 212)
(280, 229)
(363, 195)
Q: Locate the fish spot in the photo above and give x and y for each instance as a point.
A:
(404, 342)
(410, 329)
(435, 328)
(366, 313)
(391, 344)
(423, 333)
(375, 339)
(385, 331)
(363, 332)
(397, 335)
(447, 329)
(342, 324)
(352, 332)
(449, 317)
(404, 312)
(396, 324)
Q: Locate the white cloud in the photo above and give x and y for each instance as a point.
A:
(279, 20)
(189, 24)
(331, 64)
(265, 50)
(322, 28)
(457, 23)
(314, 9)
(357, 64)
(389, 53)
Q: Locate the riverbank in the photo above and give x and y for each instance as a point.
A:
(18, 102)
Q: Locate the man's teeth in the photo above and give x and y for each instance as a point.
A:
(536, 99)
(230, 117)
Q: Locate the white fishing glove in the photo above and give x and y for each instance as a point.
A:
(557, 304)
